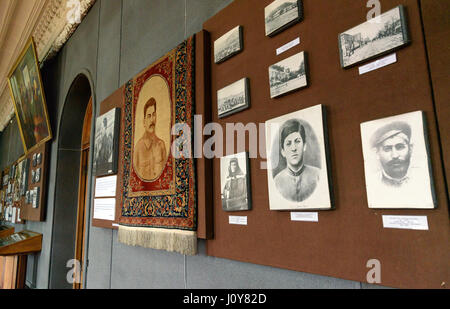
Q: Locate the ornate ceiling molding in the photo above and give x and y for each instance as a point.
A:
(50, 22)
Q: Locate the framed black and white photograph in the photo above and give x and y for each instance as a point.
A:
(235, 182)
(35, 197)
(37, 176)
(282, 14)
(34, 160)
(233, 98)
(24, 166)
(39, 158)
(397, 164)
(288, 75)
(106, 143)
(297, 161)
(33, 176)
(228, 45)
(375, 37)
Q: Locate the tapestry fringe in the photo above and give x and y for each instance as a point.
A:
(184, 242)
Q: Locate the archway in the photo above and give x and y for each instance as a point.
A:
(68, 182)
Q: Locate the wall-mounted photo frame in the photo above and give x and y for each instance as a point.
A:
(106, 150)
(397, 162)
(39, 158)
(27, 94)
(228, 45)
(282, 14)
(376, 37)
(233, 98)
(235, 182)
(298, 168)
(35, 197)
(288, 75)
(37, 175)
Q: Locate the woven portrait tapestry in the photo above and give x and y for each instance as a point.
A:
(158, 192)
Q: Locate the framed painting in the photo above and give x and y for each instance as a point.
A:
(27, 93)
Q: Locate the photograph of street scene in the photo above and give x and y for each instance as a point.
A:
(375, 37)
(288, 75)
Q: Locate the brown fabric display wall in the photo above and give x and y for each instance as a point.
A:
(346, 238)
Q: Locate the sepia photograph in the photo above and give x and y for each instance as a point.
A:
(288, 75)
(233, 98)
(376, 37)
(235, 182)
(397, 163)
(282, 14)
(297, 165)
(106, 143)
(228, 45)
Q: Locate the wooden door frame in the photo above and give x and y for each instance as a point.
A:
(82, 196)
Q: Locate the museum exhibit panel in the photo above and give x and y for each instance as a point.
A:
(274, 138)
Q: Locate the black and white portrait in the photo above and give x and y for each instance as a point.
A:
(33, 176)
(233, 98)
(27, 197)
(374, 37)
(106, 143)
(39, 158)
(34, 160)
(282, 14)
(228, 45)
(288, 75)
(396, 162)
(235, 182)
(37, 175)
(297, 164)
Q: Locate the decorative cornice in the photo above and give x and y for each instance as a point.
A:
(47, 21)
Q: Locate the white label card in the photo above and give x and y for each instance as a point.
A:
(288, 46)
(240, 220)
(106, 186)
(305, 216)
(105, 208)
(406, 222)
(378, 64)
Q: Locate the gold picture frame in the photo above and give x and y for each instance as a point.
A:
(27, 93)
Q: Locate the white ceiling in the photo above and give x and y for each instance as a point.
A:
(47, 22)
